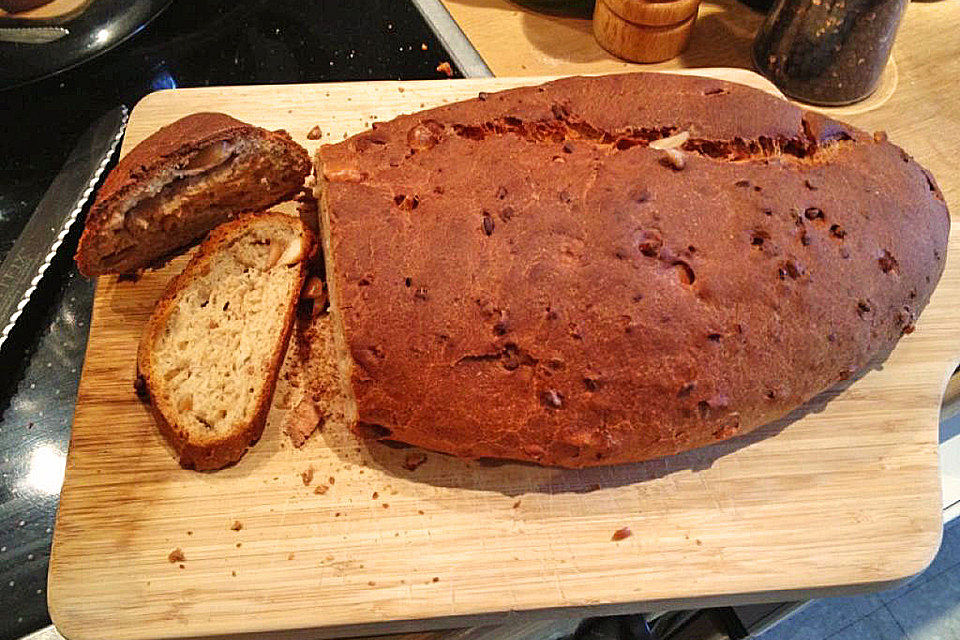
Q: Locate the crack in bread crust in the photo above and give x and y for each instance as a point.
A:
(567, 127)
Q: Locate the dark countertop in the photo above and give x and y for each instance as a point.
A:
(217, 42)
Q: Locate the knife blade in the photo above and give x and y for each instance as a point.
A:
(32, 35)
(35, 248)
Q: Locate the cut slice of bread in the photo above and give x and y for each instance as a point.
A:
(180, 183)
(211, 352)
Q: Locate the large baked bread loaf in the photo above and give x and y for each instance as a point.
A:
(180, 183)
(210, 354)
(527, 275)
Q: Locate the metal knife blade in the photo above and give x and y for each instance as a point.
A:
(35, 248)
(32, 35)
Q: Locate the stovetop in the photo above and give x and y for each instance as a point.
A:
(191, 44)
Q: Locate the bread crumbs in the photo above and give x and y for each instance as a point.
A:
(302, 421)
(315, 133)
(236, 526)
(445, 69)
(621, 534)
(176, 556)
(307, 476)
(376, 494)
(321, 489)
(413, 460)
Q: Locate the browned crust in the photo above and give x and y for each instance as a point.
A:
(227, 450)
(168, 146)
(507, 296)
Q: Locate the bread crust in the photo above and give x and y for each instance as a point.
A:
(166, 147)
(215, 453)
(522, 276)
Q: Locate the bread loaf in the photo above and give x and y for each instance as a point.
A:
(180, 183)
(210, 354)
(611, 269)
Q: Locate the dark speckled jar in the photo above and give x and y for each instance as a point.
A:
(827, 52)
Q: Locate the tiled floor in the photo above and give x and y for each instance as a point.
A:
(928, 608)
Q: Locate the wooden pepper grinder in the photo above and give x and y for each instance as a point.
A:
(644, 30)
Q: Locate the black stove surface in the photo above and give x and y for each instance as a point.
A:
(211, 42)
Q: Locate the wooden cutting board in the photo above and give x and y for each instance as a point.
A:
(842, 496)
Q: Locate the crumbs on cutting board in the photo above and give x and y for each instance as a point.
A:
(315, 133)
(236, 526)
(176, 556)
(413, 460)
(621, 534)
(321, 489)
(307, 476)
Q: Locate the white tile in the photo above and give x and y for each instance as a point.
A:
(932, 610)
(823, 618)
(950, 461)
(879, 625)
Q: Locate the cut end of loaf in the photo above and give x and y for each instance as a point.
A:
(336, 324)
(215, 342)
(176, 202)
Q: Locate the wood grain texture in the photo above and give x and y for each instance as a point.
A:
(641, 42)
(840, 497)
(653, 12)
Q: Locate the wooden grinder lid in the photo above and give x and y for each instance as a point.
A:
(644, 30)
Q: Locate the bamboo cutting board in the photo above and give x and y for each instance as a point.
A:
(842, 496)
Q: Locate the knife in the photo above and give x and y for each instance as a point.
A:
(32, 35)
(35, 248)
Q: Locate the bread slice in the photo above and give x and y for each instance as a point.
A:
(180, 183)
(209, 358)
